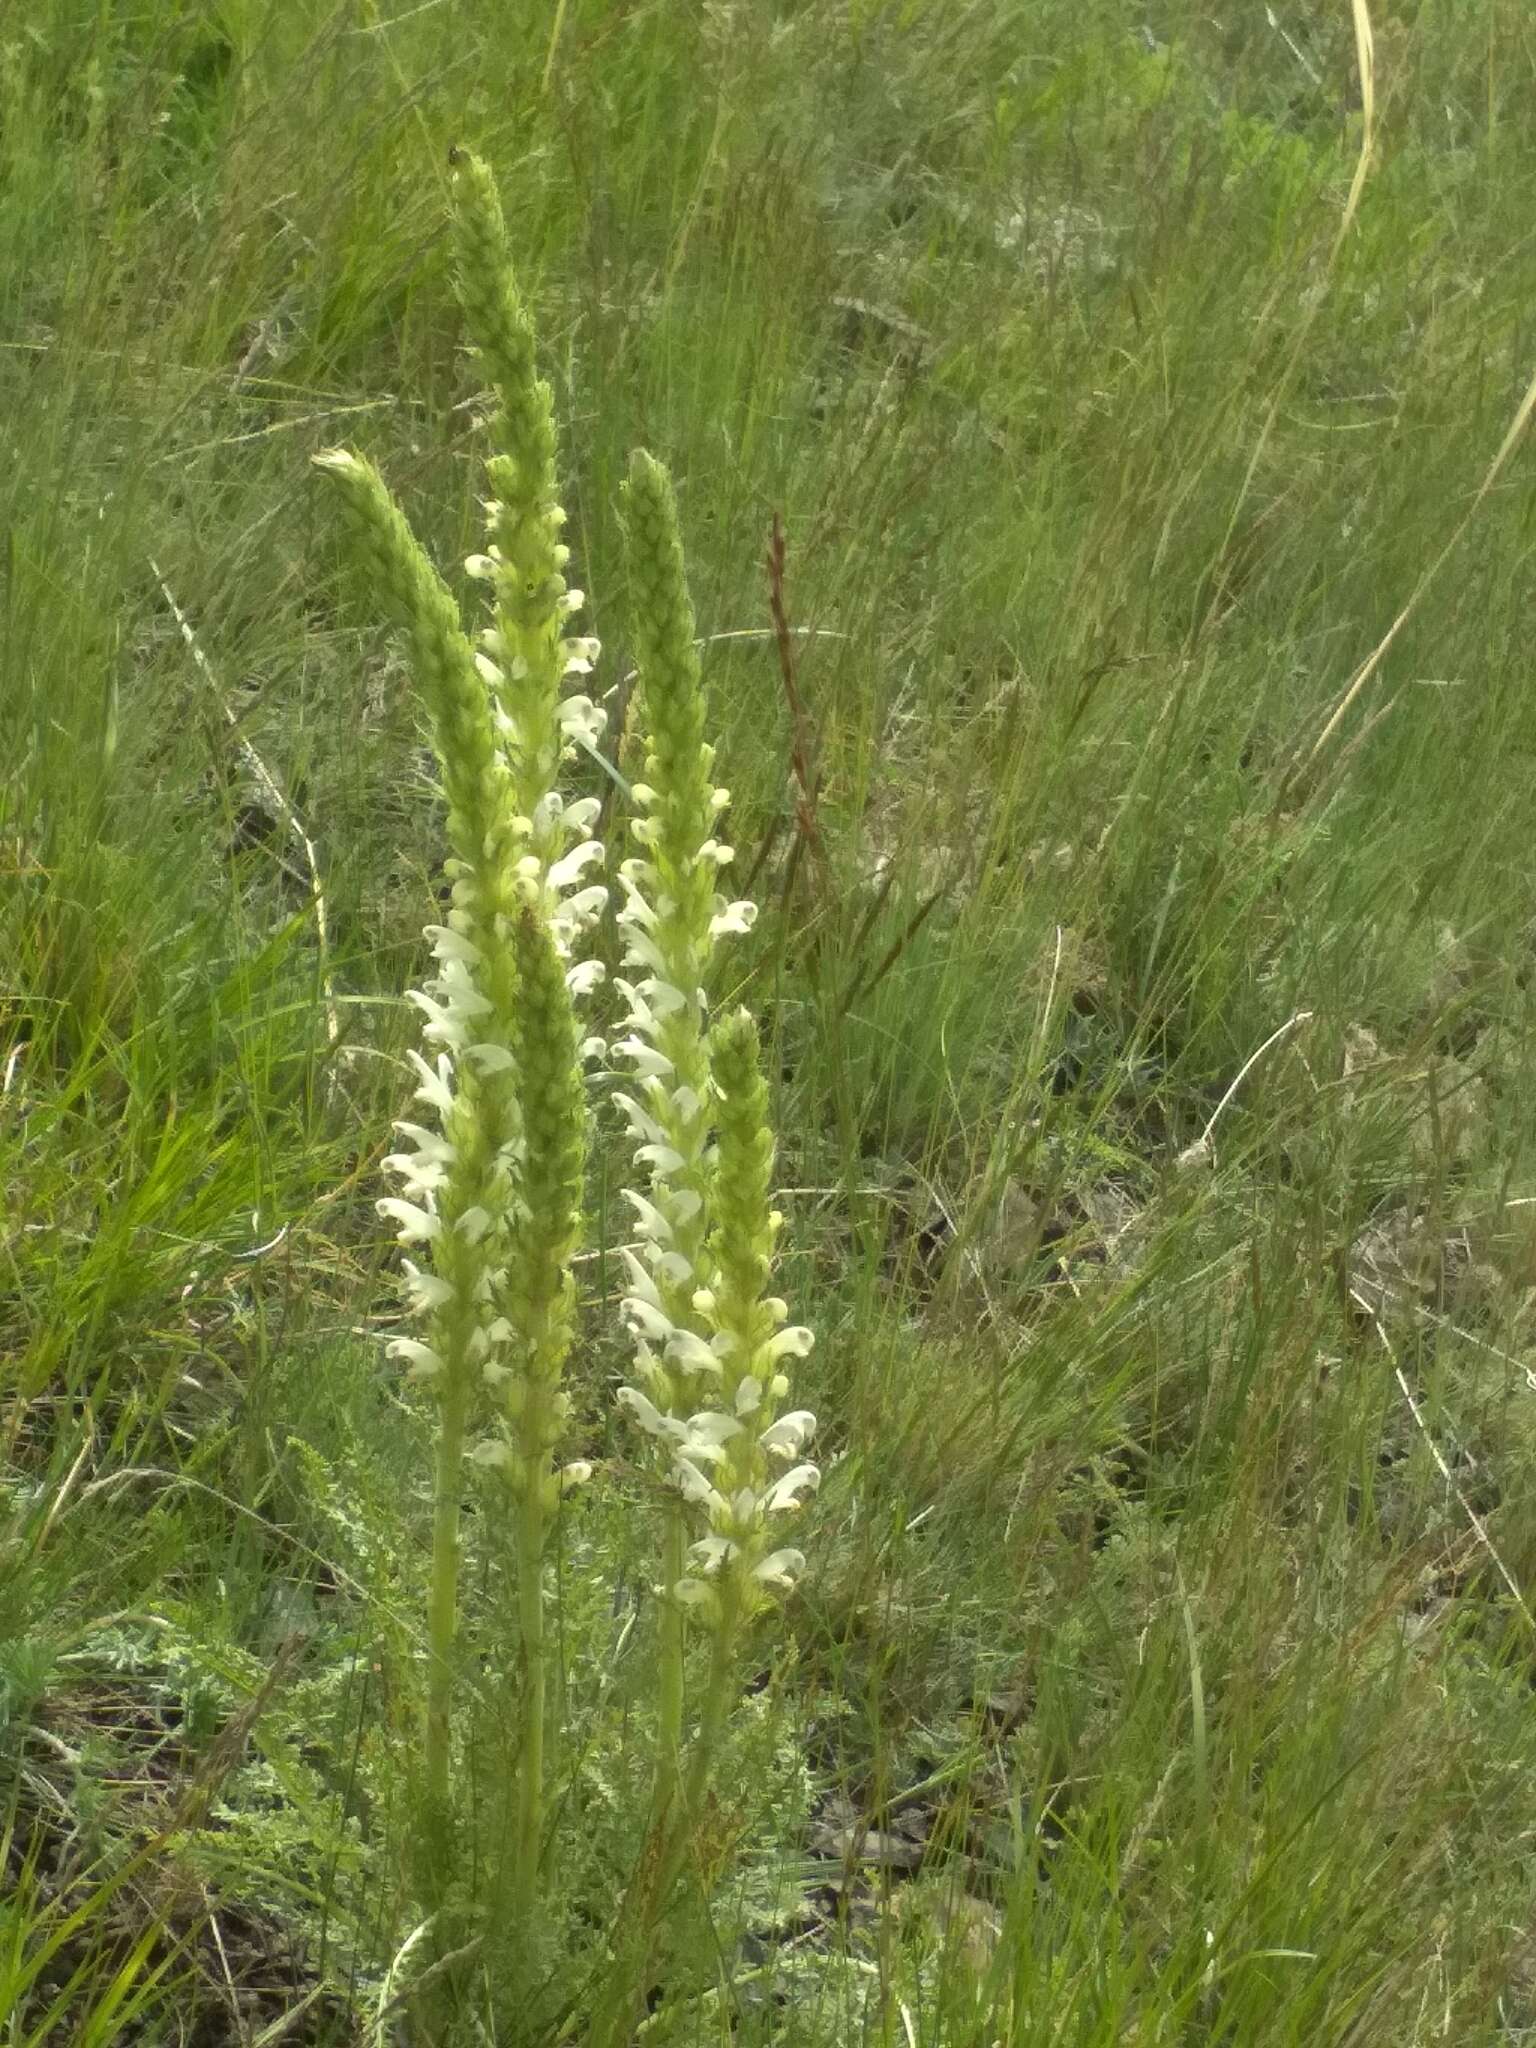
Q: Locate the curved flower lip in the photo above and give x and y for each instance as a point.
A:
(582, 815)
(641, 1015)
(649, 1416)
(427, 1290)
(436, 1082)
(584, 976)
(687, 1349)
(417, 1225)
(442, 1026)
(710, 1552)
(448, 944)
(796, 1341)
(789, 1435)
(641, 1123)
(632, 873)
(473, 1223)
(780, 1569)
(650, 1221)
(661, 1158)
(733, 917)
(642, 1286)
(649, 1064)
(422, 1361)
(707, 1433)
(489, 1059)
(695, 1593)
(697, 1489)
(582, 720)
(420, 1176)
(568, 868)
(581, 908)
(785, 1493)
(643, 951)
(430, 1145)
(647, 1318)
(650, 1002)
(672, 1267)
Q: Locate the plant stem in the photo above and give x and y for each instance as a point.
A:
(718, 1695)
(442, 1626)
(667, 1779)
(531, 1533)
(672, 1832)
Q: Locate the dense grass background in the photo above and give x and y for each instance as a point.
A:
(1168, 1607)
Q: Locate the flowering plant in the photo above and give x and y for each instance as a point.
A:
(489, 1202)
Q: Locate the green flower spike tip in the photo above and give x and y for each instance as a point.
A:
(529, 658)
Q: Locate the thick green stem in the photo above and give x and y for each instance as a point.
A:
(532, 1529)
(667, 1778)
(669, 1838)
(718, 1695)
(442, 1626)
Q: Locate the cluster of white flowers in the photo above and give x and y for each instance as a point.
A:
(709, 1342)
(734, 1439)
(550, 874)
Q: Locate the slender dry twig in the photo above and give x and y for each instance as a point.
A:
(866, 984)
(1479, 1528)
(1203, 1152)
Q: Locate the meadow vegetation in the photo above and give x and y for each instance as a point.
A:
(1098, 444)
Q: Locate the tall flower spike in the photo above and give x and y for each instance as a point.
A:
(457, 1184)
(671, 919)
(528, 657)
(493, 1193)
(459, 1181)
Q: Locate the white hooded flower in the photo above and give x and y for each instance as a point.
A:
(785, 1493)
(423, 1362)
(787, 1437)
(418, 1225)
(436, 1082)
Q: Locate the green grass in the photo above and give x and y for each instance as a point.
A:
(1170, 1587)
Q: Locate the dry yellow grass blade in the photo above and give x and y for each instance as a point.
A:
(1365, 62)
